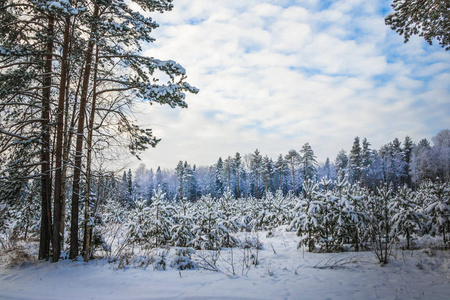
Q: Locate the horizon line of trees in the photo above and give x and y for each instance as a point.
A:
(254, 175)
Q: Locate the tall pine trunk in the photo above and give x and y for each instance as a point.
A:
(88, 226)
(68, 131)
(68, 134)
(46, 215)
(79, 143)
(57, 206)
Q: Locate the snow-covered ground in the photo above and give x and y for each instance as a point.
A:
(284, 272)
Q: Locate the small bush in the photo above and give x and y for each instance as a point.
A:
(183, 260)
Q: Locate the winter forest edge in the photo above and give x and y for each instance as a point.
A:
(366, 200)
(70, 74)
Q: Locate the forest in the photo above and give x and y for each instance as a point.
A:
(71, 73)
(364, 200)
(84, 82)
(255, 175)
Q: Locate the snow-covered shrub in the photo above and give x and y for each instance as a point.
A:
(22, 218)
(183, 259)
(150, 226)
(266, 217)
(15, 254)
(438, 209)
(25, 221)
(231, 261)
(99, 242)
(181, 231)
(228, 221)
(380, 223)
(161, 219)
(250, 246)
(308, 217)
(353, 206)
(115, 218)
(256, 214)
(205, 234)
(140, 224)
(160, 261)
(282, 208)
(407, 218)
(251, 241)
(243, 211)
(127, 259)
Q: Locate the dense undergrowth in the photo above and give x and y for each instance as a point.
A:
(330, 216)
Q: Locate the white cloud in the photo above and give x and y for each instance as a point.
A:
(274, 75)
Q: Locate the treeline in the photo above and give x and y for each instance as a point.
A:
(254, 175)
(330, 207)
(70, 72)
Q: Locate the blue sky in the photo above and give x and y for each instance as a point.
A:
(275, 75)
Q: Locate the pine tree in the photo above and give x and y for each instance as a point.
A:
(267, 173)
(397, 163)
(308, 217)
(180, 175)
(380, 223)
(293, 159)
(355, 161)
(228, 221)
(139, 223)
(94, 47)
(205, 235)
(282, 171)
(159, 177)
(366, 160)
(327, 170)
(228, 170)
(219, 178)
(161, 220)
(237, 170)
(256, 166)
(421, 162)
(308, 163)
(341, 162)
(441, 154)
(188, 178)
(406, 217)
(130, 187)
(429, 19)
(408, 147)
(182, 231)
(193, 185)
(438, 208)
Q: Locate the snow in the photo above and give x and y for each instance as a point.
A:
(284, 272)
(55, 4)
(63, 6)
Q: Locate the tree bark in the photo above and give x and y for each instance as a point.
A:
(57, 206)
(79, 143)
(88, 227)
(46, 215)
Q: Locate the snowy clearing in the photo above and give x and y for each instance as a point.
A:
(289, 274)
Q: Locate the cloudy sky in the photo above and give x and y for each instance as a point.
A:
(276, 74)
